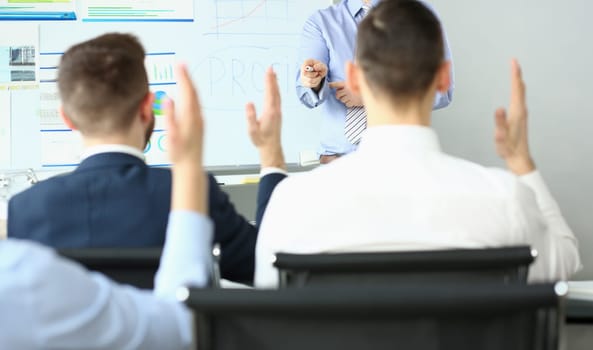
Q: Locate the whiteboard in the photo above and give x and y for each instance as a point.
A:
(227, 47)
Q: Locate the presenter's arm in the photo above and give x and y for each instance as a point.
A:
(314, 53)
(538, 216)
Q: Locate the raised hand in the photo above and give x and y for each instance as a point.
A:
(265, 131)
(511, 135)
(185, 135)
(312, 73)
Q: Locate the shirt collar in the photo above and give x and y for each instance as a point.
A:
(99, 149)
(395, 138)
(354, 6)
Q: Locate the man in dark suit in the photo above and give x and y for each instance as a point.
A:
(113, 199)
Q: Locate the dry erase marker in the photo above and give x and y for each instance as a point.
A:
(309, 69)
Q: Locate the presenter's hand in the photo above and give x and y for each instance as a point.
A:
(345, 95)
(511, 127)
(185, 133)
(265, 131)
(313, 78)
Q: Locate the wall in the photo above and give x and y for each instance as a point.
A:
(552, 41)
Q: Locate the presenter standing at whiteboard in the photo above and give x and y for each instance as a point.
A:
(327, 43)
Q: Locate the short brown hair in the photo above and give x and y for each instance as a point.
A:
(102, 83)
(400, 49)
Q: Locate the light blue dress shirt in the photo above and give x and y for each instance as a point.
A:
(47, 302)
(329, 36)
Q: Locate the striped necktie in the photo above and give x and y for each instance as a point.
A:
(356, 117)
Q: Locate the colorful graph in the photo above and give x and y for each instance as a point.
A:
(242, 17)
(252, 15)
(163, 143)
(137, 11)
(148, 147)
(159, 103)
(155, 151)
(160, 72)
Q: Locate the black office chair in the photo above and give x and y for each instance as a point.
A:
(507, 265)
(134, 266)
(510, 317)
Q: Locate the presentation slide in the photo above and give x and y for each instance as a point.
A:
(62, 147)
(227, 49)
(18, 65)
(37, 10)
(137, 11)
(18, 54)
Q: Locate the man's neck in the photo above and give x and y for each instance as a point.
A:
(386, 114)
(113, 140)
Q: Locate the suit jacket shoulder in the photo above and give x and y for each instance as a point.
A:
(110, 200)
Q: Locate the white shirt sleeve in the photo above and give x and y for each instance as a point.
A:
(272, 170)
(272, 234)
(187, 254)
(539, 218)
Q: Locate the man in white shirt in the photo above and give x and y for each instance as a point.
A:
(399, 191)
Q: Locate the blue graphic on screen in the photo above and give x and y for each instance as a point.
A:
(159, 103)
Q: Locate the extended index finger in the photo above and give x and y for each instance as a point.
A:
(187, 91)
(272, 91)
(517, 88)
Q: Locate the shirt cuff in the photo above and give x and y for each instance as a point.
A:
(535, 181)
(312, 98)
(272, 170)
(324, 90)
(187, 254)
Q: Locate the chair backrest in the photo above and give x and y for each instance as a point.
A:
(512, 317)
(508, 265)
(133, 266)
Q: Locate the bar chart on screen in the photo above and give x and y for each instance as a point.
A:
(137, 11)
(54, 10)
(159, 67)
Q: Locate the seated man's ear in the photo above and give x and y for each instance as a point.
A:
(353, 76)
(66, 119)
(443, 78)
(146, 108)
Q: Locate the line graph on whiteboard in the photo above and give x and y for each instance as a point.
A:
(255, 16)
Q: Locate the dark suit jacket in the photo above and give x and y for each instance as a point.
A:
(116, 200)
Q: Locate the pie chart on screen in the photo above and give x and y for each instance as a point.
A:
(148, 147)
(159, 102)
(162, 143)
